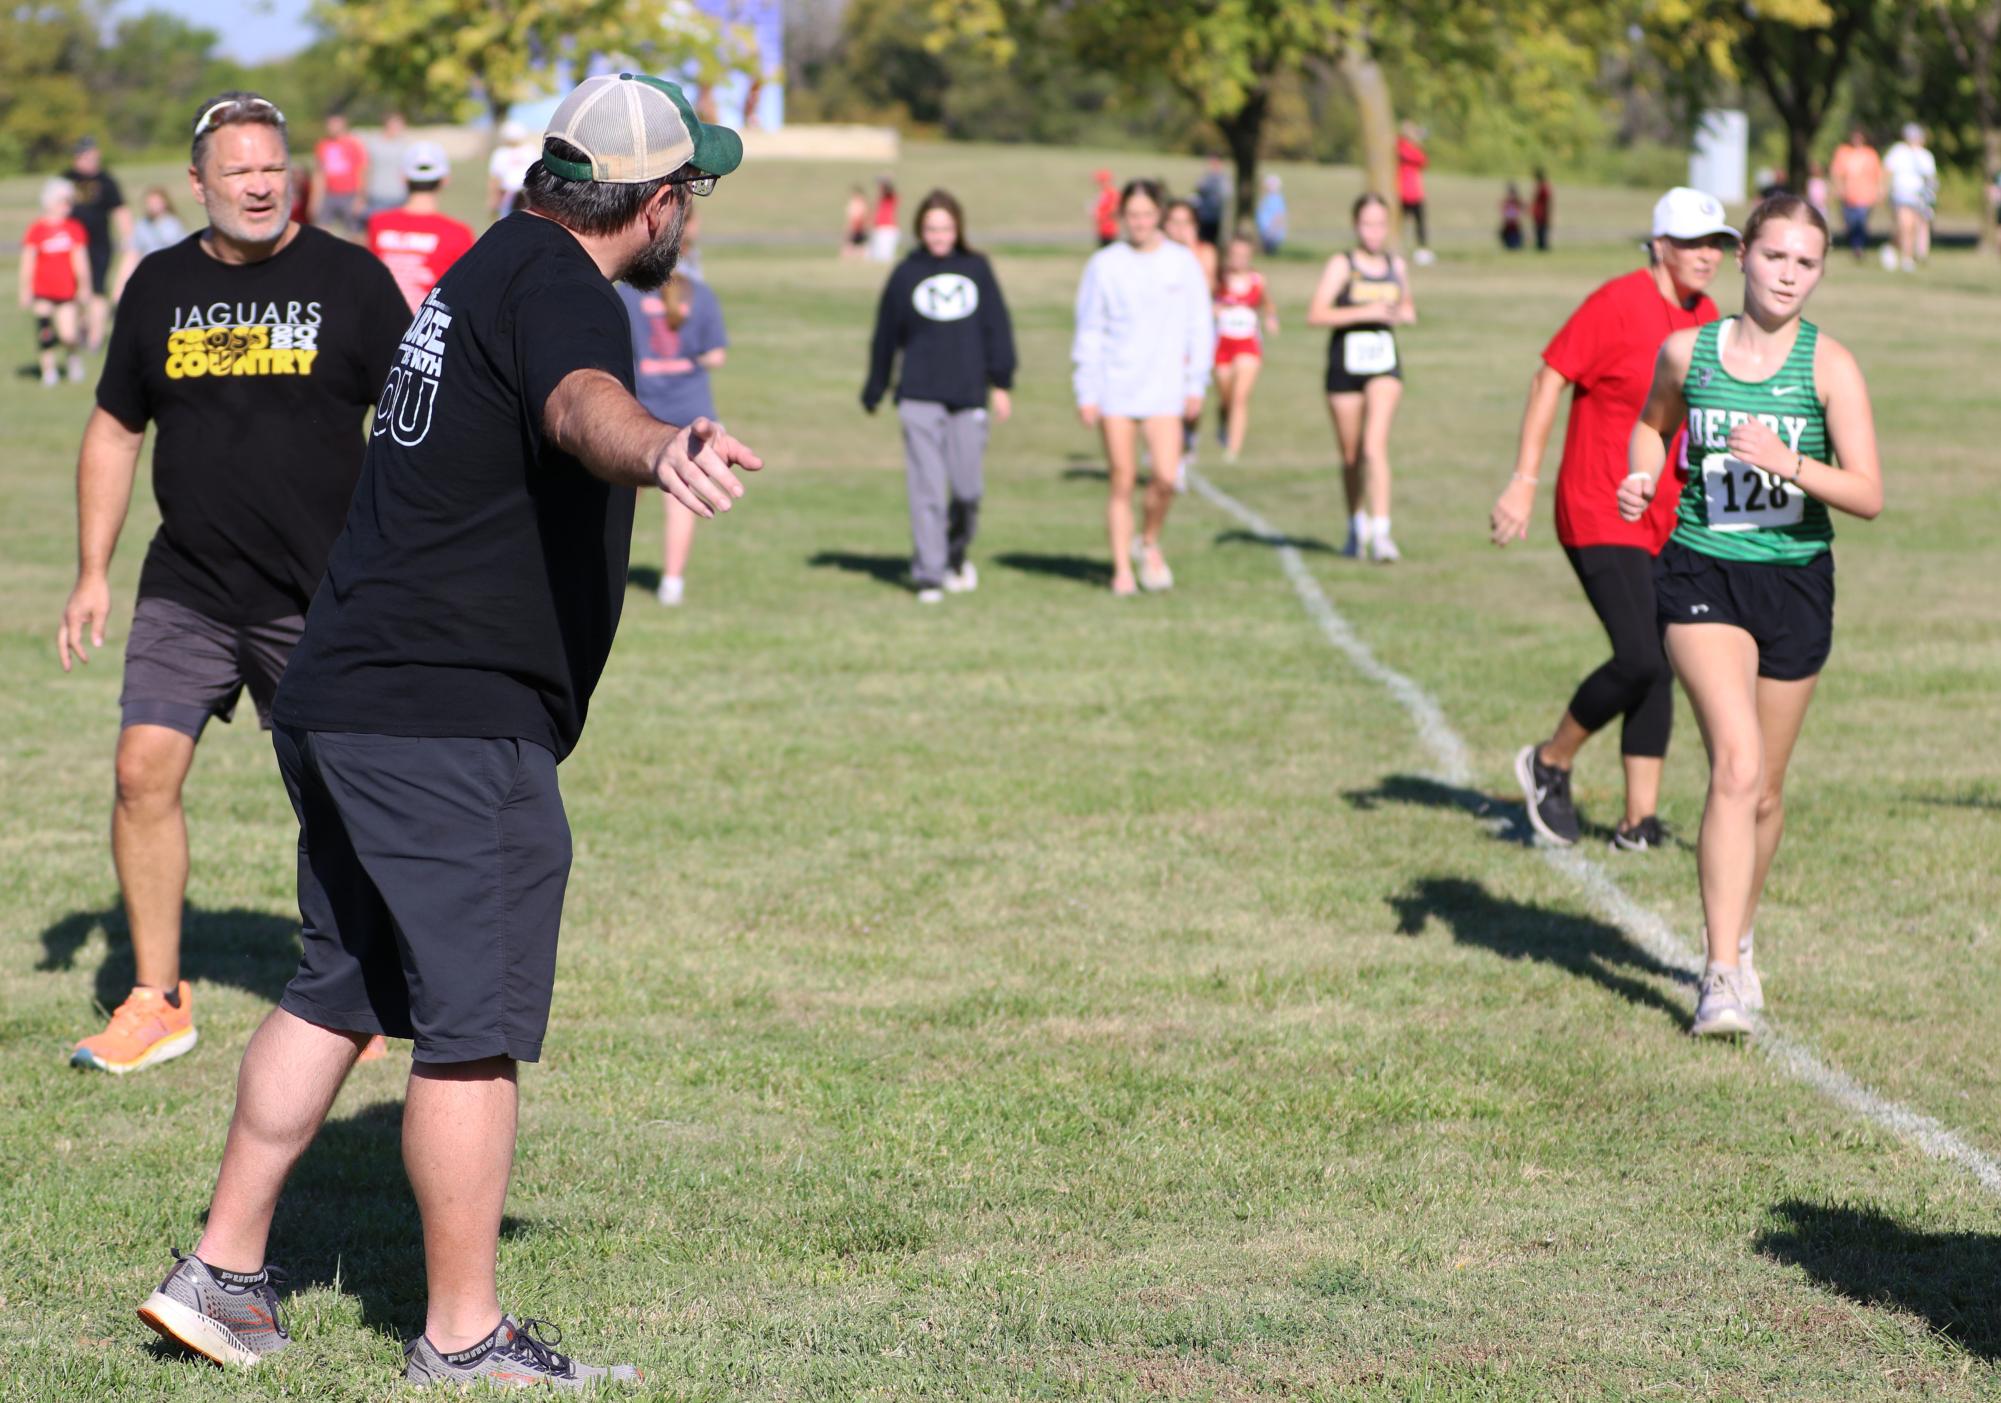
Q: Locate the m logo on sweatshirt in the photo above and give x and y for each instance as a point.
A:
(946, 297)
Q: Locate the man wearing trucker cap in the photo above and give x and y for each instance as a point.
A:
(447, 664)
(1606, 353)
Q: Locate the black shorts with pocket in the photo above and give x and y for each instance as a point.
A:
(431, 877)
(1343, 381)
(182, 667)
(1787, 609)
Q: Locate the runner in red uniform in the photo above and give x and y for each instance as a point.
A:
(416, 241)
(55, 269)
(1244, 312)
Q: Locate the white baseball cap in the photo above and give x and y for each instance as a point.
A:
(1685, 213)
(425, 160)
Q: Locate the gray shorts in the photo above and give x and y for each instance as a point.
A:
(182, 667)
(431, 878)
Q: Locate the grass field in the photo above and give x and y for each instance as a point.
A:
(1043, 996)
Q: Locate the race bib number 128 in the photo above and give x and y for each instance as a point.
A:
(1745, 498)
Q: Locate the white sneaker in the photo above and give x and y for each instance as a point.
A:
(931, 594)
(672, 587)
(1747, 976)
(1720, 1011)
(49, 377)
(1383, 550)
(76, 370)
(963, 580)
(1424, 258)
(1152, 580)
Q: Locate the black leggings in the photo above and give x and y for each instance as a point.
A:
(1619, 582)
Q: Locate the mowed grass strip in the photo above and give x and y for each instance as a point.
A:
(1051, 996)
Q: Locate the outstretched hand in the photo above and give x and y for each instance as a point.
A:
(697, 468)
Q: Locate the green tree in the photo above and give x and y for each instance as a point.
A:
(1972, 30)
(152, 73)
(473, 53)
(1796, 52)
(45, 99)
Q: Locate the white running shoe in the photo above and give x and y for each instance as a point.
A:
(1424, 258)
(672, 588)
(963, 580)
(1720, 1011)
(1747, 975)
(1383, 550)
(931, 594)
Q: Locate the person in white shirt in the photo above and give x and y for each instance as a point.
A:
(1146, 337)
(1913, 174)
(507, 169)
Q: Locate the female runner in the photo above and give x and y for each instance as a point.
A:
(1244, 313)
(1745, 586)
(1364, 295)
(1182, 223)
(1145, 342)
(1606, 354)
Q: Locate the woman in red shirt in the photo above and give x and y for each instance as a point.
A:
(55, 265)
(1605, 353)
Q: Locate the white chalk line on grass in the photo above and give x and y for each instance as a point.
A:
(1644, 927)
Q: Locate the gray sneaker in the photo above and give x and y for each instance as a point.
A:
(1747, 975)
(1720, 1012)
(518, 1354)
(224, 1316)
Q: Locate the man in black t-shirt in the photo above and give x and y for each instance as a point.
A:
(447, 666)
(101, 210)
(255, 349)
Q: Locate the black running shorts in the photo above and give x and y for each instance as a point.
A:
(431, 876)
(1787, 609)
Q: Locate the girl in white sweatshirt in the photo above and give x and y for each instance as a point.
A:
(1145, 343)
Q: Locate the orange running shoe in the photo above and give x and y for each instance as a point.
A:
(144, 1030)
(374, 1050)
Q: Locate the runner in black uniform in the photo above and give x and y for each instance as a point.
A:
(1364, 296)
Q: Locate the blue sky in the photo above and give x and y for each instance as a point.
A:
(252, 30)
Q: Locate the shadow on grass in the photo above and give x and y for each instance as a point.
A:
(883, 569)
(1083, 569)
(644, 577)
(1252, 538)
(1077, 472)
(1873, 1260)
(347, 1220)
(1978, 797)
(1423, 792)
(1515, 930)
(253, 950)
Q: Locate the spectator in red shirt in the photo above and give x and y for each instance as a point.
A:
(1606, 354)
(55, 269)
(882, 241)
(1411, 162)
(1105, 214)
(1541, 206)
(343, 163)
(415, 241)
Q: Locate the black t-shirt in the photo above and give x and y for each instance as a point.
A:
(259, 377)
(96, 197)
(477, 586)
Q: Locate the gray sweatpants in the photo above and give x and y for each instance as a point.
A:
(943, 453)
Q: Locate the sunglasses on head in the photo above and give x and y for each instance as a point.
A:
(212, 118)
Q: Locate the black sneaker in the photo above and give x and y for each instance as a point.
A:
(1643, 836)
(1546, 792)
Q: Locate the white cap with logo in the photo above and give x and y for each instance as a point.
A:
(1685, 213)
(425, 160)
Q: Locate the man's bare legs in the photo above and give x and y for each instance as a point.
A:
(149, 847)
(458, 1148)
(291, 1073)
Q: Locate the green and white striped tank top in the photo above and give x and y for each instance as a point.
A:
(1728, 508)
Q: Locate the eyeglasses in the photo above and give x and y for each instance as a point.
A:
(698, 184)
(212, 118)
